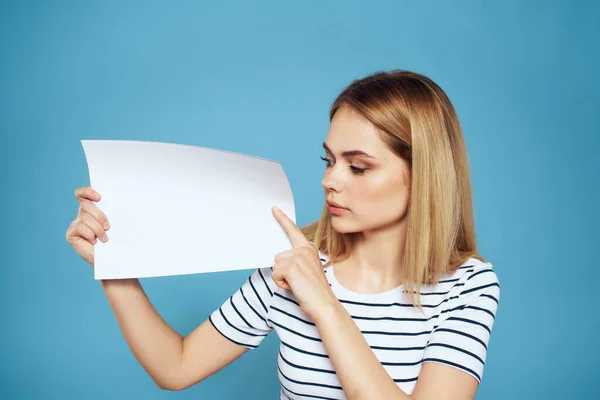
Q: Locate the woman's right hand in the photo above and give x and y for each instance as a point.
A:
(90, 224)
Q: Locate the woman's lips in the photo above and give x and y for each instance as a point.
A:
(335, 208)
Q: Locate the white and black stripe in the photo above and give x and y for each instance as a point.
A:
(454, 328)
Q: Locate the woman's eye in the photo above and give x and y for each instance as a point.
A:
(357, 171)
(326, 160)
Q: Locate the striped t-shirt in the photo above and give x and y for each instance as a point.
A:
(454, 328)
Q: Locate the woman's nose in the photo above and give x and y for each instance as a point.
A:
(330, 183)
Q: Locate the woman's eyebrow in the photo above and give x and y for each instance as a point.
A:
(349, 153)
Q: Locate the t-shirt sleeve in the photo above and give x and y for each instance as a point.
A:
(461, 338)
(243, 317)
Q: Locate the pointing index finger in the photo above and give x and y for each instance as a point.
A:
(292, 230)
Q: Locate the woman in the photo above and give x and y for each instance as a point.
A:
(384, 297)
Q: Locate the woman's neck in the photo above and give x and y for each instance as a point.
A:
(375, 264)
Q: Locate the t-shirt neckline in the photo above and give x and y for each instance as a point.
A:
(347, 293)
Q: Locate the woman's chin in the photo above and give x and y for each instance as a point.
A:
(343, 226)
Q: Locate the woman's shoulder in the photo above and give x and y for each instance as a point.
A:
(474, 267)
(475, 277)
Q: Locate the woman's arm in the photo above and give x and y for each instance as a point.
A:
(172, 361)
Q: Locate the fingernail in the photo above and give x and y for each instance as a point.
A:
(106, 225)
(105, 237)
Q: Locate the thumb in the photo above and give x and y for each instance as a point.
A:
(279, 275)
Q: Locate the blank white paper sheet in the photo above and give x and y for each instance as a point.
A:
(179, 209)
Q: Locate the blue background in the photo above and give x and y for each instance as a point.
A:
(258, 79)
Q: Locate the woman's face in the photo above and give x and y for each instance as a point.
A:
(363, 176)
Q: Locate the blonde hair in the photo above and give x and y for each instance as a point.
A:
(418, 122)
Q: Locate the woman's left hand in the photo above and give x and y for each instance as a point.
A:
(300, 270)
